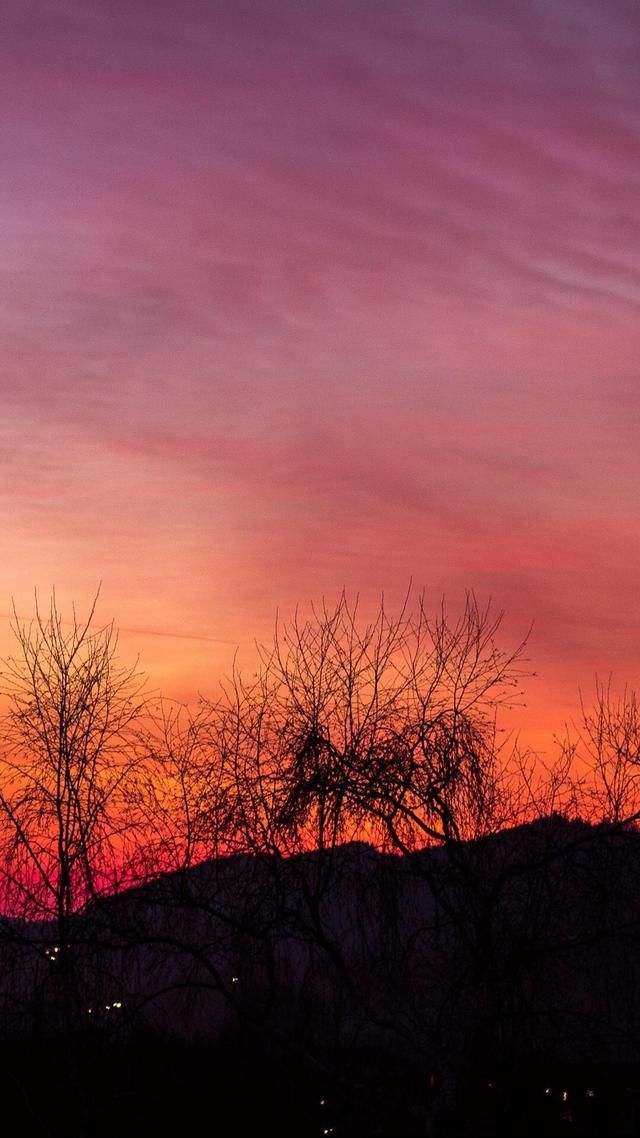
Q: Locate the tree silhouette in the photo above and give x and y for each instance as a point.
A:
(68, 753)
(384, 729)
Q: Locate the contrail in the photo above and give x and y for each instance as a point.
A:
(154, 632)
(174, 635)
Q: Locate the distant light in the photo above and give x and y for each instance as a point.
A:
(547, 1090)
(89, 1011)
(565, 1096)
(323, 1102)
(107, 1007)
(235, 979)
(590, 1092)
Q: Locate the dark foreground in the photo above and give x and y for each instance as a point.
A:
(487, 989)
(147, 1086)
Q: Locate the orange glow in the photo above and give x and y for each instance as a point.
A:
(290, 304)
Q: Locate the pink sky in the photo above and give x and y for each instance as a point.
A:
(302, 296)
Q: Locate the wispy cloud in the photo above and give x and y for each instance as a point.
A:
(300, 296)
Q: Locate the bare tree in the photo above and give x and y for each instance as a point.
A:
(187, 803)
(383, 729)
(605, 747)
(68, 752)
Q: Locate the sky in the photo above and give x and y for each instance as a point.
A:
(300, 296)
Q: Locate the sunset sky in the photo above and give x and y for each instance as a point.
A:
(297, 296)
